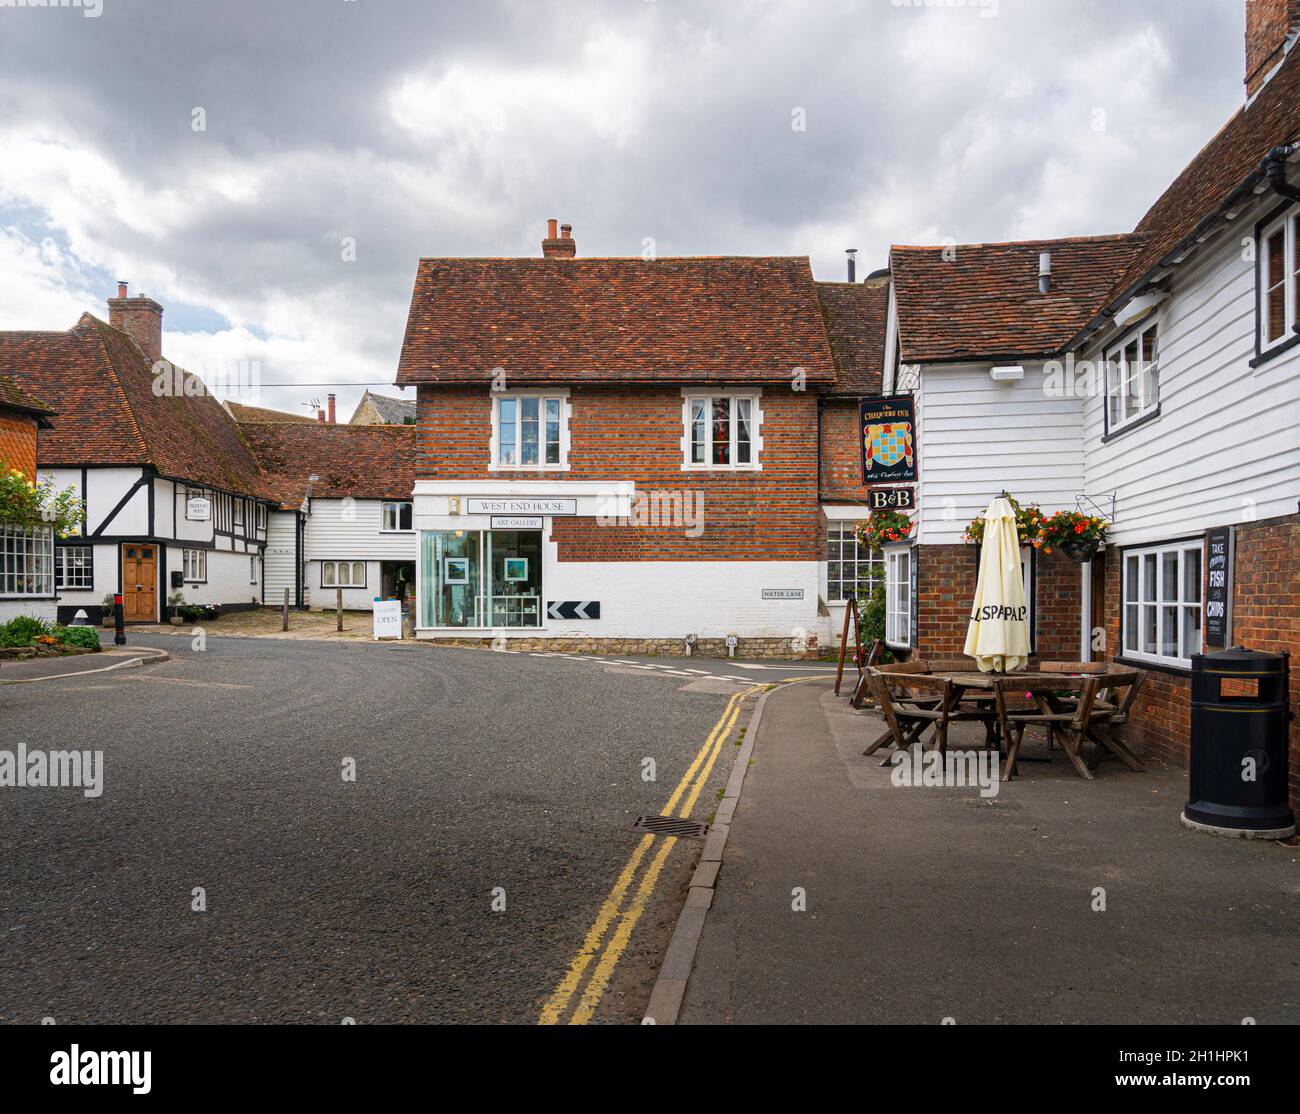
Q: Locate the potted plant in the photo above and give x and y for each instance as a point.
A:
(108, 608)
(885, 528)
(1077, 535)
(176, 601)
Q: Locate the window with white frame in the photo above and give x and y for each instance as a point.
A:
(898, 597)
(194, 562)
(74, 567)
(26, 561)
(721, 431)
(530, 430)
(1162, 603)
(1279, 270)
(853, 570)
(261, 516)
(342, 574)
(252, 570)
(396, 517)
(239, 512)
(1132, 378)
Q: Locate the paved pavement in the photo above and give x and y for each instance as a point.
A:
(476, 772)
(110, 658)
(931, 903)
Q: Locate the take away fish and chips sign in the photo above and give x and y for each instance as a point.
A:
(888, 430)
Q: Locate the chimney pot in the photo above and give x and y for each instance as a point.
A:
(562, 246)
(140, 318)
(330, 408)
(852, 253)
(1044, 272)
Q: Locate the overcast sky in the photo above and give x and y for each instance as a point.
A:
(427, 127)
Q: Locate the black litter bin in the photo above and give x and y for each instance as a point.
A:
(1238, 775)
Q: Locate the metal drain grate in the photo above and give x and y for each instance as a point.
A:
(671, 826)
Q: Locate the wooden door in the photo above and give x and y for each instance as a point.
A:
(140, 583)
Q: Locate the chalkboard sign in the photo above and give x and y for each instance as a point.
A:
(1218, 587)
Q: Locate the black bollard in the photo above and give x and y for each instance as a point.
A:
(119, 621)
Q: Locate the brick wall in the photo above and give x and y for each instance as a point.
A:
(635, 434)
(841, 463)
(1267, 23)
(18, 443)
(1265, 616)
(945, 587)
(1057, 607)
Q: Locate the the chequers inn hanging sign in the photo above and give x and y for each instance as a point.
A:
(888, 430)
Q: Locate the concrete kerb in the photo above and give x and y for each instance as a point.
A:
(146, 656)
(670, 986)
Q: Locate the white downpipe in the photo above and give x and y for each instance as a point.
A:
(1085, 617)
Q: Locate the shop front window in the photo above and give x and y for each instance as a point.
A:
(489, 578)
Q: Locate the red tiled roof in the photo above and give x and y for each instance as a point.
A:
(242, 413)
(855, 315)
(102, 387)
(13, 397)
(361, 461)
(614, 320)
(981, 301)
(1223, 166)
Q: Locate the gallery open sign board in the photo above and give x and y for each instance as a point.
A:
(887, 428)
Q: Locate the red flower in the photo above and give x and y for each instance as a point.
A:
(1078, 527)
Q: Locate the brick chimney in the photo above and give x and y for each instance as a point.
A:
(140, 318)
(563, 246)
(1268, 25)
(330, 409)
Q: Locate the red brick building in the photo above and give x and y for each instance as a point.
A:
(26, 555)
(625, 452)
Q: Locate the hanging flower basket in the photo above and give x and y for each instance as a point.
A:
(1029, 525)
(1078, 536)
(885, 528)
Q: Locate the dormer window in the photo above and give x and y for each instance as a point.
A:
(530, 431)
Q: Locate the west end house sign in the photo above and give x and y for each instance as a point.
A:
(522, 506)
(887, 428)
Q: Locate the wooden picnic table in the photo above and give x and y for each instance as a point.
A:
(962, 684)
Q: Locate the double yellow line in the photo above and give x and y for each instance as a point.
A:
(689, 788)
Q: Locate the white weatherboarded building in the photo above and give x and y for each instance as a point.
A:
(344, 518)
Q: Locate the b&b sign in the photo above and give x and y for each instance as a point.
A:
(887, 427)
(891, 498)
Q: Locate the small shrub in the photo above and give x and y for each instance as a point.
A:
(22, 631)
(85, 638)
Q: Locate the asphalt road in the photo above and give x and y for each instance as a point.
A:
(326, 898)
